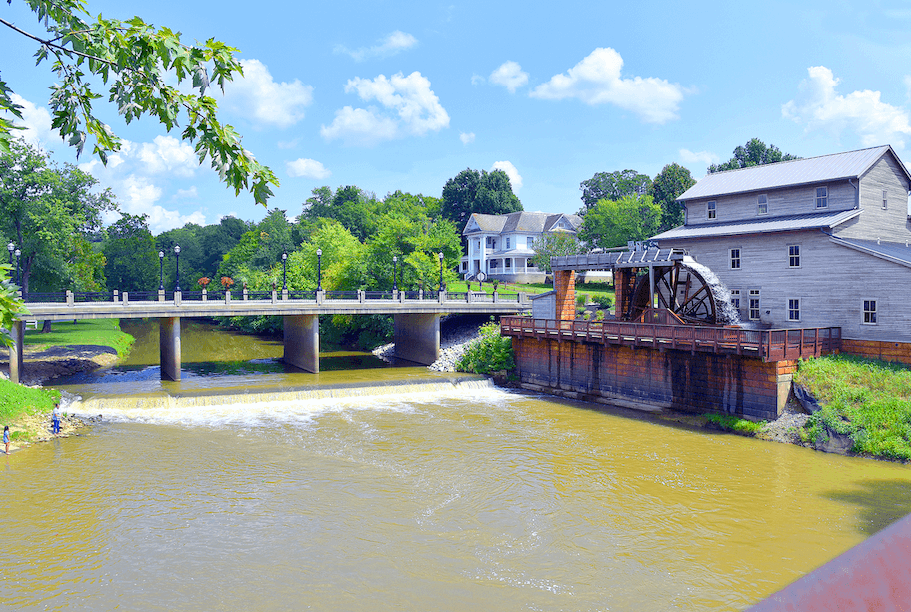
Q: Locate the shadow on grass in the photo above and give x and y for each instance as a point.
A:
(880, 502)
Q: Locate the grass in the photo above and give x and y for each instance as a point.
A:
(729, 422)
(103, 332)
(591, 290)
(867, 399)
(17, 400)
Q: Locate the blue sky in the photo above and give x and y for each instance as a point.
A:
(404, 95)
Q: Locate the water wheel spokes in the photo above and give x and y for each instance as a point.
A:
(678, 289)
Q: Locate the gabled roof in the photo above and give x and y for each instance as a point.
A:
(522, 221)
(837, 166)
(826, 220)
(895, 252)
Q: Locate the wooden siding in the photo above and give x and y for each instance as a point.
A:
(785, 201)
(875, 223)
(832, 282)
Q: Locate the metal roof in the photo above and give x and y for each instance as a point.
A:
(519, 222)
(892, 251)
(837, 166)
(617, 259)
(764, 226)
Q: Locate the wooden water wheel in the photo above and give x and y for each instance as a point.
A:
(678, 289)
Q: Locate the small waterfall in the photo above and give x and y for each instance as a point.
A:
(726, 313)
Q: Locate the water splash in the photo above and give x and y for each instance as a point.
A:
(725, 313)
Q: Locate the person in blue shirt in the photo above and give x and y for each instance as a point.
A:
(56, 418)
(6, 438)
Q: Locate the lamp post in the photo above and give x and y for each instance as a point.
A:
(440, 255)
(395, 261)
(11, 247)
(319, 269)
(284, 272)
(161, 270)
(177, 283)
(18, 253)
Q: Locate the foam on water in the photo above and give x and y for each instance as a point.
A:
(300, 406)
(726, 314)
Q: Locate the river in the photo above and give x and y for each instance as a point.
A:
(369, 487)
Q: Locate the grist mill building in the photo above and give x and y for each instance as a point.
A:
(823, 241)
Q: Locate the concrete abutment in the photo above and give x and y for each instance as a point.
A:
(302, 342)
(169, 347)
(417, 337)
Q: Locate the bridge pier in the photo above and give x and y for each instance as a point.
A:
(17, 335)
(169, 347)
(302, 342)
(417, 337)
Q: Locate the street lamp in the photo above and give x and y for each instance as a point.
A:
(440, 255)
(18, 253)
(177, 284)
(11, 247)
(161, 270)
(284, 272)
(395, 260)
(319, 269)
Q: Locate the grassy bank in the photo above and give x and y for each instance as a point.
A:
(100, 332)
(866, 399)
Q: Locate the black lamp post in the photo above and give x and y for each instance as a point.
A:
(11, 247)
(161, 270)
(440, 255)
(319, 269)
(18, 253)
(284, 272)
(395, 261)
(177, 253)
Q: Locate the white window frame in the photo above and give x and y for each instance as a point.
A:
(822, 201)
(762, 204)
(738, 258)
(711, 210)
(735, 299)
(793, 255)
(868, 312)
(793, 309)
(885, 200)
(754, 311)
(508, 241)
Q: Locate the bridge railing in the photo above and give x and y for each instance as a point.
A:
(341, 295)
(769, 345)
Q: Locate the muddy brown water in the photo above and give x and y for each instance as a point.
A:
(391, 488)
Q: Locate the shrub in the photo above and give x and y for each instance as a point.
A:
(490, 353)
(729, 422)
(582, 299)
(604, 302)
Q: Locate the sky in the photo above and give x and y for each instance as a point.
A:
(404, 95)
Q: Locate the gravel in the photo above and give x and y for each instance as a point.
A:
(456, 333)
(786, 427)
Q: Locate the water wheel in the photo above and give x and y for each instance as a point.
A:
(679, 289)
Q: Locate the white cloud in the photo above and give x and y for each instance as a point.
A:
(392, 44)
(258, 96)
(37, 123)
(466, 137)
(138, 196)
(510, 76)
(308, 168)
(477, 79)
(190, 193)
(409, 107)
(515, 178)
(596, 80)
(694, 157)
(820, 107)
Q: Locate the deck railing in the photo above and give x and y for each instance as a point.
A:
(766, 344)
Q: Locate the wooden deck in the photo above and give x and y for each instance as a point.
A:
(766, 344)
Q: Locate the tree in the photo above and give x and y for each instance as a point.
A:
(554, 244)
(612, 186)
(673, 180)
(754, 153)
(134, 60)
(484, 192)
(611, 223)
(132, 259)
(43, 210)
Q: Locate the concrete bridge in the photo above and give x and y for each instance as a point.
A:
(416, 317)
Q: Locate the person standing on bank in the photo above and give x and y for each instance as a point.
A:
(6, 438)
(55, 416)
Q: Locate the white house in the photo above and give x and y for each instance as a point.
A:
(501, 245)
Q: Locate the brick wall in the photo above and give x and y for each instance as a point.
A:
(667, 379)
(565, 287)
(875, 349)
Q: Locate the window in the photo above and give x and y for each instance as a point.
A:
(754, 304)
(885, 200)
(477, 244)
(494, 263)
(822, 197)
(794, 256)
(508, 263)
(763, 208)
(793, 309)
(869, 312)
(735, 299)
(464, 266)
(508, 240)
(710, 208)
(735, 259)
